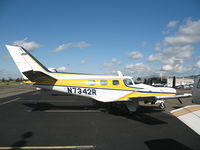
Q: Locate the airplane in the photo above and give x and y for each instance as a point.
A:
(118, 89)
(190, 115)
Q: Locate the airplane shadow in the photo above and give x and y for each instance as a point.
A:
(143, 115)
(165, 144)
(48, 106)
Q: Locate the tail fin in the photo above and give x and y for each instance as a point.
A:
(30, 68)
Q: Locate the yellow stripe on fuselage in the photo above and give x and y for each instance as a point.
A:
(141, 94)
(84, 83)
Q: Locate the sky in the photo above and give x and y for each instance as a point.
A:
(138, 37)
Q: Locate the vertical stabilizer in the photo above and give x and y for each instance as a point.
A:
(24, 60)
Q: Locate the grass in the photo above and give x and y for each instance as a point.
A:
(10, 83)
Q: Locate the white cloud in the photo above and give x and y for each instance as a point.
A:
(167, 67)
(119, 62)
(113, 62)
(179, 52)
(172, 24)
(198, 64)
(84, 61)
(81, 44)
(62, 47)
(155, 57)
(135, 55)
(139, 69)
(27, 45)
(188, 33)
(62, 69)
(174, 54)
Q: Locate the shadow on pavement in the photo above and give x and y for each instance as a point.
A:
(165, 144)
(143, 115)
(48, 106)
(22, 142)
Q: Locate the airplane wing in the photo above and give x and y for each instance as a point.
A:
(190, 115)
(159, 97)
(174, 96)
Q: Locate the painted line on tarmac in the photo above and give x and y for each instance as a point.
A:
(72, 111)
(9, 101)
(49, 147)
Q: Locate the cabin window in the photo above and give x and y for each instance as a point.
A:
(198, 85)
(103, 82)
(115, 82)
(91, 82)
(128, 82)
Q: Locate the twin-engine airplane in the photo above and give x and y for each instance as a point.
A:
(103, 88)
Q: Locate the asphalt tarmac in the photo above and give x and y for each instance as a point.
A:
(48, 120)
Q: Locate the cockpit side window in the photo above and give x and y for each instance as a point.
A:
(128, 82)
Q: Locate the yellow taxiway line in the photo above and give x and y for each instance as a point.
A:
(49, 147)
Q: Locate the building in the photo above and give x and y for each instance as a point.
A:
(180, 81)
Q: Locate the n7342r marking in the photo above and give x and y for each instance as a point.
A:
(87, 91)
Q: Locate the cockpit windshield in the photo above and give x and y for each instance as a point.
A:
(128, 82)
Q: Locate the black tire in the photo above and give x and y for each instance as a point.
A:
(162, 106)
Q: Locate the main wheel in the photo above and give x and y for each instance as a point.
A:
(162, 106)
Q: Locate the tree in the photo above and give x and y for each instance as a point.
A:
(17, 80)
(3, 80)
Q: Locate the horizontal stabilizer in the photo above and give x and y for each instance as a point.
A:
(37, 76)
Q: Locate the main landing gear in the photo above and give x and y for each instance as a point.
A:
(161, 104)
